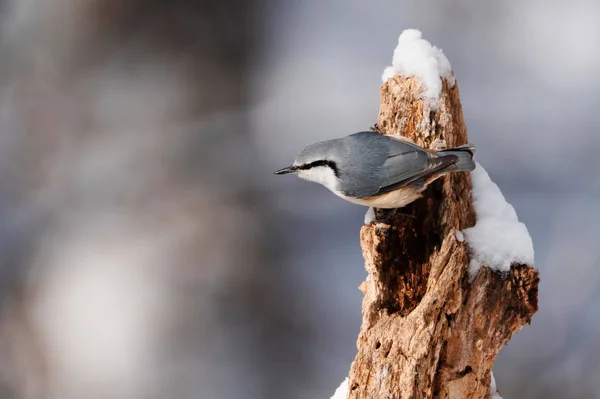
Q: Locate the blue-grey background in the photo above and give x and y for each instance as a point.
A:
(146, 249)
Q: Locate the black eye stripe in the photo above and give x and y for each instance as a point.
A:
(314, 164)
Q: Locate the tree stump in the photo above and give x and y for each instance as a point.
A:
(427, 331)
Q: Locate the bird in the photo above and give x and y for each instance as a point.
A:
(375, 170)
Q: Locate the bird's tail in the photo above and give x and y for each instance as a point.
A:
(465, 154)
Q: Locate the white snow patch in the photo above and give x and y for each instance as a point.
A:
(460, 236)
(498, 239)
(415, 56)
(388, 73)
(370, 215)
(342, 391)
(493, 389)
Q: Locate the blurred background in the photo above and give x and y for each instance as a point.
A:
(147, 250)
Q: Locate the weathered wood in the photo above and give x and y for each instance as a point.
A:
(426, 331)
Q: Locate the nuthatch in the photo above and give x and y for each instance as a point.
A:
(371, 169)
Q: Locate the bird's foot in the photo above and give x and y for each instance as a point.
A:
(375, 128)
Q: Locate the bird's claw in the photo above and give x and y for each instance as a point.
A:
(375, 128)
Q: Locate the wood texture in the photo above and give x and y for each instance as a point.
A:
(426, 331)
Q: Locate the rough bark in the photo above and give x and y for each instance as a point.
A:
(427, 332)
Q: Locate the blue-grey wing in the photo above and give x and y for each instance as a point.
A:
(385, 164)
(406, 163)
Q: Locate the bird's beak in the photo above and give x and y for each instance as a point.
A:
(289, 169)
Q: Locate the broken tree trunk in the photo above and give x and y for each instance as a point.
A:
(427, 332)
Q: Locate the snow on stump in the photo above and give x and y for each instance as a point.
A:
(435, 315)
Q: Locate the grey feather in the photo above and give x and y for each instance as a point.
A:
(386, 164)
(436, 166)
(465, 154)
(369, 163)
